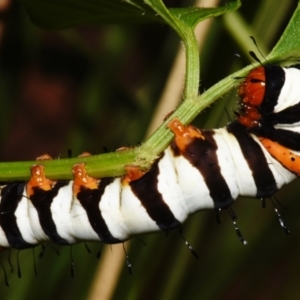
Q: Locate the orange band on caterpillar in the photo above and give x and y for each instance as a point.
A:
(287, 158)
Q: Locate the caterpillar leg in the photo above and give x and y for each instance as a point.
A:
(132, 173)
(82, 179)
(184, 135)
(38, 178)
(288, 159)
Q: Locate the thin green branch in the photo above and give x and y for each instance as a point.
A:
(192, 76)
(112, 164)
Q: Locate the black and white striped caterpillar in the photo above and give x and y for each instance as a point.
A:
(254, 155)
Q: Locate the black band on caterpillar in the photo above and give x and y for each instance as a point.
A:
(202, 169)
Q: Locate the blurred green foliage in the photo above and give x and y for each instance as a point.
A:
(94, 87)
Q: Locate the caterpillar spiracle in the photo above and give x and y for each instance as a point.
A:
(254, 155)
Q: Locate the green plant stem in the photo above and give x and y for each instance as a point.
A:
(112, 164)
(158, 141)
(104, 165)
(192, 76)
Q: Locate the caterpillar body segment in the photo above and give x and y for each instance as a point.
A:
(210, 173)
(254, 155)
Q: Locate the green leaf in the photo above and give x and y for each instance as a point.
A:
(59, 14)
(193, 15)
(288, 47)
(181, 19)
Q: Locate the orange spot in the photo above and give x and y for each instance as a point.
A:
(252, 90)
(288, 159)
(184, 135)
(82, 179)
(132, 173)
(38, 179)
(250, 116)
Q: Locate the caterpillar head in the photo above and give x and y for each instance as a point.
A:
(270, 95)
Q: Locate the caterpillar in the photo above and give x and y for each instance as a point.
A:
(254, 155)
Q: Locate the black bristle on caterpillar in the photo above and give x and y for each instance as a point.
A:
(254, 155)
(129, 265)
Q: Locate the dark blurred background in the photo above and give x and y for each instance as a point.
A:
(97, 87)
